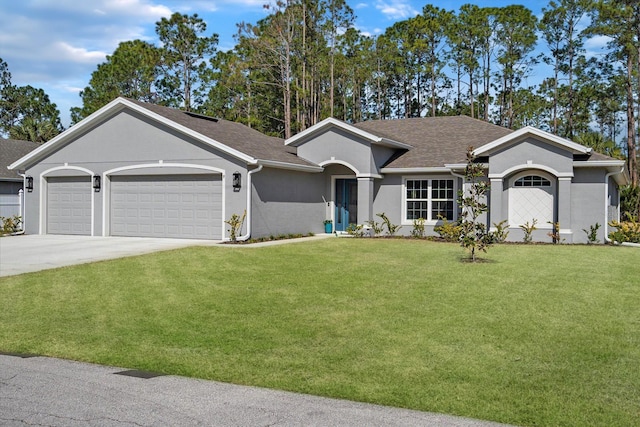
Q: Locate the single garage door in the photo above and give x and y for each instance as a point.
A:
(178, 206)
(69, 205)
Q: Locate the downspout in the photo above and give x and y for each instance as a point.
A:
(247, 235)
(606, 203)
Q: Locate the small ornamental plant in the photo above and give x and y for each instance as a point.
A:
(474, 234)
(235, 225)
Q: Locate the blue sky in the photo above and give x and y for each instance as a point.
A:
(56, 44)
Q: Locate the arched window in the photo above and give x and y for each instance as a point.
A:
(532, 181)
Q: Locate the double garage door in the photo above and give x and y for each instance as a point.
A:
(178, 206)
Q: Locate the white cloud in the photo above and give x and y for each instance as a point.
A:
(65, 51)
(396, 9)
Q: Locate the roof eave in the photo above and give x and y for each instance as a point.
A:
(415, 170)
(289, 166)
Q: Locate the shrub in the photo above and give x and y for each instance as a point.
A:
(501, 233)
(592, 234)
(630, 202)
(628, 231)
(418, 228)
(11, 224)
(235, 224)
(376, 227)
(355, 230)
(391, 228)
(450, 231)
(555, 232)
(528, 230)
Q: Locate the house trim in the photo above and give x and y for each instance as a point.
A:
(439, 169)
(289, 166)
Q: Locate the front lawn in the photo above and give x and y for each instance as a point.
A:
(538, 335)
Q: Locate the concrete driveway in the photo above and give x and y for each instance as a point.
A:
(27, 253)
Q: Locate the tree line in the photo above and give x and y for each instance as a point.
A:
(306, 61)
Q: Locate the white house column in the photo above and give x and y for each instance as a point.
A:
(365, 200)
(495, 199)
(564, 209)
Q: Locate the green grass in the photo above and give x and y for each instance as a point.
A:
(538, 335)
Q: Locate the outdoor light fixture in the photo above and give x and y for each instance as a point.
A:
(96, 183)
(237, 181)
(29, 182)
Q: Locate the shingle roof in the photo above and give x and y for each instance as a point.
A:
(436, 140)
(10, 151)
(235, 135)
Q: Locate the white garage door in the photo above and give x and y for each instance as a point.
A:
(69, 205)
(178, 206)
(531, 197)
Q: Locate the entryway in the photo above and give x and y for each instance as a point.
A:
(346, 201)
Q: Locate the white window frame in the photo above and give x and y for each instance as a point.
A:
(429, 200)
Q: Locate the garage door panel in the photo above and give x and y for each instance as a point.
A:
(69, 205)
(181, 206)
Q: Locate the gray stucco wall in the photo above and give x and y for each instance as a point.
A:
(285, 201)
(531, 151)
(124, 140)
(338, 145)
(588, 202)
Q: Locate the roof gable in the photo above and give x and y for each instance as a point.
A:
(234, 139)
(529, 131)
(331, 123)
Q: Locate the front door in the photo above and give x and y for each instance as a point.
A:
(346, 203)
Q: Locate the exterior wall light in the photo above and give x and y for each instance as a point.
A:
(237, 181)
(96, 183)
(29, 184)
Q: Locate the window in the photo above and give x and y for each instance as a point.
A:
(429, 199)
(532, 181)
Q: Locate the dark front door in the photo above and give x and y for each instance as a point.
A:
(346, 203)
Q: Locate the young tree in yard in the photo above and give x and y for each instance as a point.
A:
(475, 236)
(184, 54)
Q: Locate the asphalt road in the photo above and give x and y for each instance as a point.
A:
(52, 392)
